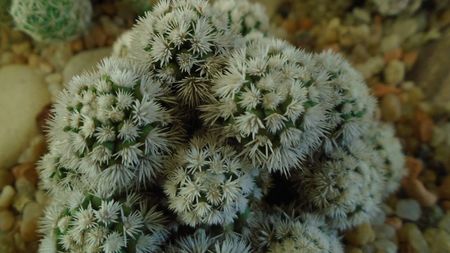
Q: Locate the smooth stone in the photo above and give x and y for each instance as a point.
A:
(385, 246)
(431, 72)
(438, 239)
(85, 61)
(7, 196)
(408, 209)
(391, 108)
(394, 72)
(412, 234)
(6, 220)
(361, 235)
(28, 225)
(23, 95)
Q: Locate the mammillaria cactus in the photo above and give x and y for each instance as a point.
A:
(52, 20)
(208, 184)
(199, 113)
(86, 223)
(184, 45)
(278, 232)
(110, 130)
(243, 16)
(266, 100)
(344, 189)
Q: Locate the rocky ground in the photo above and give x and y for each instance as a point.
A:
(404, 59)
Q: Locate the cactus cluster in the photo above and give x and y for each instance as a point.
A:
(52, 20)
(182, 142)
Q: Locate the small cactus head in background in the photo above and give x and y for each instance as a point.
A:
(52, 20)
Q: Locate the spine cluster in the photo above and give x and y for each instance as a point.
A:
(204, 134)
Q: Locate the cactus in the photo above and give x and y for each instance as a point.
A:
(184, 46)
(85, 223)
(242, 16)
(52, 20)
(209, 184)
(279, 232)
(110, 131)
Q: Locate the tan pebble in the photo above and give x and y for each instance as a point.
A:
(391, 108)
(28, 225)
(425, 125)
(33, 60)
(45, 67)
(444, 188)
(6, 220)
(22, 48)
(27, 171)
(41, 198)
(351, 249)
(54, 78)
(360, 235)
(6, 58)
(6, 178)
(417, 190)
(410, 58)
(35, 150)
(395, 222)
(7, 196)
(394, 73)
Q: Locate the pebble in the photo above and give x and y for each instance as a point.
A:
(6, 178)
(408, 209)
(445, 223)
(385, 246)
(411, 234)
(7, 220)
(438, 239)
(394, 72)
(23, 95)
(28, 225)
(35, 149)
(84, 61)
(27, 171)
(361, 235)
(384, 231)
(371, 67)
(417, 190)
(391, 108)
(444, 188)
(389, 43)
(7, 196)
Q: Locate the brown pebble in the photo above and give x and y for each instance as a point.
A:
(444, 188)
(394, 54)
(33, 60)
(446, 205)
(7, 196)
(6, 178)
(410, 58)
(415, 166)
(289, 25)
(417, 190)
(99, 36)
(425, 126)
(27, 171)
(395, 222)
(6, 220)
(391, 108)
(76, 45)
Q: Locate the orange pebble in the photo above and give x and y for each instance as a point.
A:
(425, 126)
(27, 171)
(381, 89)
(417, 190)
(415, 166)
(394, 54)
(395, 222)
(410, 58)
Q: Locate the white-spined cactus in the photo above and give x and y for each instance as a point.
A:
(84, 223)
(267, 101)
(52, 20)
(344, 187)
(184, 45)
(202, 242)
(209, 184)
(242, 16)
(110, 131)
(348, 97)
(279, 233)
(388, 156)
